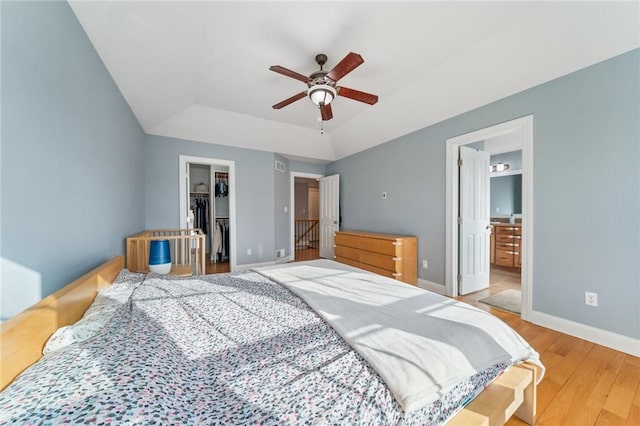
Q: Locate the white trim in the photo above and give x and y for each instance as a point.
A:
(292, 209)
(506, 173)
(182, 164)
(523, 125)
(286, 259)
(247, 266)
(586, 332)
(431, 286)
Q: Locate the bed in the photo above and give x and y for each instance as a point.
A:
(247, 348)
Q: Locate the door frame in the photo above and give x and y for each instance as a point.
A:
(292, 203)
(183, 160)
(525, 126)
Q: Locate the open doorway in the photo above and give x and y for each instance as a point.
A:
(492, 138)
(328, 215)
(207, 202)
(506, 224)
(306, 235)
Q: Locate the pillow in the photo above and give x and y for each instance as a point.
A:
(100, 312)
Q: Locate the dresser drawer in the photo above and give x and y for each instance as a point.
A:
(375, 270)
(346, 240)
(384, 261)
(504, 257)
(393, 256)
(507, 238)
(511, 245)
(501, 229)
(346, 252)
(383, 246)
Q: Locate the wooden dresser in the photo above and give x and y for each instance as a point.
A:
(394, 256)
(507, 245)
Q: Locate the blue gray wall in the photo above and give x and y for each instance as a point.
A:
(586, 175)
(513, 159)
(72, 151)
(315, 168)
(506, 195)
(282, 194)
(506, 191)
(254, 185)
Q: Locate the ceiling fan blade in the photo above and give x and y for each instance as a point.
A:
(290, 100)
(357, 95)
(285, 71)
(325, 111)
(345, 66)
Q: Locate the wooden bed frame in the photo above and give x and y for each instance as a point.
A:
(23, 337)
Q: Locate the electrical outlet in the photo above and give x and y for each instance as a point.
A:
(425, 264)
(590, 298)
(248, 252)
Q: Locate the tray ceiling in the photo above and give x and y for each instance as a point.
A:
(200, 70)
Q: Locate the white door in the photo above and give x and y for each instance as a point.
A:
(474, 228)
(189, 213)
(329, 212)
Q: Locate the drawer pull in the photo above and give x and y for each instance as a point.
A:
(396, 274)
(395, 259)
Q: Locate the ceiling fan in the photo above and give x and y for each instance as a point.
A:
(322, 87)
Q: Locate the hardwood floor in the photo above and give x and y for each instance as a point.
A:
(308, 254)
(585, 383)
(216, 268)
(501, 279)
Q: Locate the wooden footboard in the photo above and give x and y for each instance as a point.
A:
(23, 336)
(514, 392)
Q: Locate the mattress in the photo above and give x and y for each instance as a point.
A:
(234, 348)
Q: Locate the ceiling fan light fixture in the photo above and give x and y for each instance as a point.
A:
(321, 94)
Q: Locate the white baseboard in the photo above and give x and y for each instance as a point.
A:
(286, 259)
(586, 332)
(431, 286)
(247, 266)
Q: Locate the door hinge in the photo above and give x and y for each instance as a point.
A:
(459, 221)
(459, 278)
(459, 162)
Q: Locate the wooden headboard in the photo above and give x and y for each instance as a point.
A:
(23, 336)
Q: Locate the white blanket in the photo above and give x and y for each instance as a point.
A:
(419, 342)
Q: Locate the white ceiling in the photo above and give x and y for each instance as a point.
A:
(200, 70)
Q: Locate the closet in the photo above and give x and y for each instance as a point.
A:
(209, 207)
(220, 251)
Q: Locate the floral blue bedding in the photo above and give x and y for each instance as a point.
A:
(220, 349)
